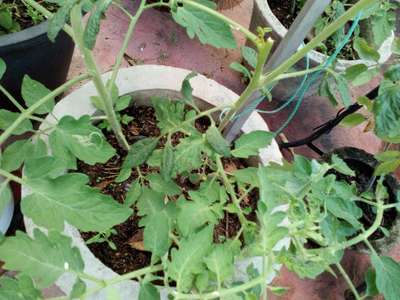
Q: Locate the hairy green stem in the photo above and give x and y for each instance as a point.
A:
(125, 44)
(31, 110)
(11, 177)
(264, 49)
(234, 25)
(380, 208)
(223, 292)
(11, 98)
(104, 94)
(231, 191)
(348, 281)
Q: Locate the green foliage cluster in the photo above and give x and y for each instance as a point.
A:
(297, 203)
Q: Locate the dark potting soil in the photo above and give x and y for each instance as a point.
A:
(130, 255)
(282, 10)
(20, 11)
(366, 182)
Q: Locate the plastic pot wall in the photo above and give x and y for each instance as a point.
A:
(31, 52)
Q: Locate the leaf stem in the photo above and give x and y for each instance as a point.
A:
(104, 94)
(10, 176)
(11, 98)
(28, 112)
(125, 44)
(348, 281)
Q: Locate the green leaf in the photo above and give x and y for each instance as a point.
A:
(5, 196)
(93, 25)
(123, 102)
(354, 71)
(186, 89)
(7, 118)
(3, 68)
(370, 280)
(247, 176)
(325, 90)
(14, 155)
(188, 259)
(353, 120)
(221, 260)
(59, 19)
(217, 141)
(241, 69)
(387, 114)
(170, 115)
(123, 175)
(21, 288)
(78, 204)
(363, 100)
(194, 214)
(249, 144)
(383, 22)
(393, 73)
(188, 155)
(133, 194)
(59, 150)
(364, 50)
(344, 209)
(148, 292)
(157, 183)
(387, 167)
(84, 140)
(341, 166)
(138, 154)
(32, 91)
(156, 233)
(208, 28)
(44, 258)
(343, 89)
(78, 289)
(388, 155)
(167, 163)
(45, 166)
(155, 220)
(387, 276)
(396, 46)
(250, 55)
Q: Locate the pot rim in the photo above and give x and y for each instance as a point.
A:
(316, 56)
(26, 36)
(136, 79)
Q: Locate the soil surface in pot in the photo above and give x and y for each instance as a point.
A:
(23, 15)
(129, 255)
(282, 9)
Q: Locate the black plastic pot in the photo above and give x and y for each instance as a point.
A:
(364, 164)
(31, 52)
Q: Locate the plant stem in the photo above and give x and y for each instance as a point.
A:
(264, 50)
(222, 292)
(10, 176)
(11, 98)
(104, 94)
(348, 281)
(231, 191)
(125, 44)
(297, 74)
(236, 26)
(134, 274)
(364, 236)
(323, 35)
(31, 110)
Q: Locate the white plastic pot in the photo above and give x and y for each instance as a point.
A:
(142, 81)
(263, 16)
(7, 213)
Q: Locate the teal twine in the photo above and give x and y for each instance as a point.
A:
(314, 77)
